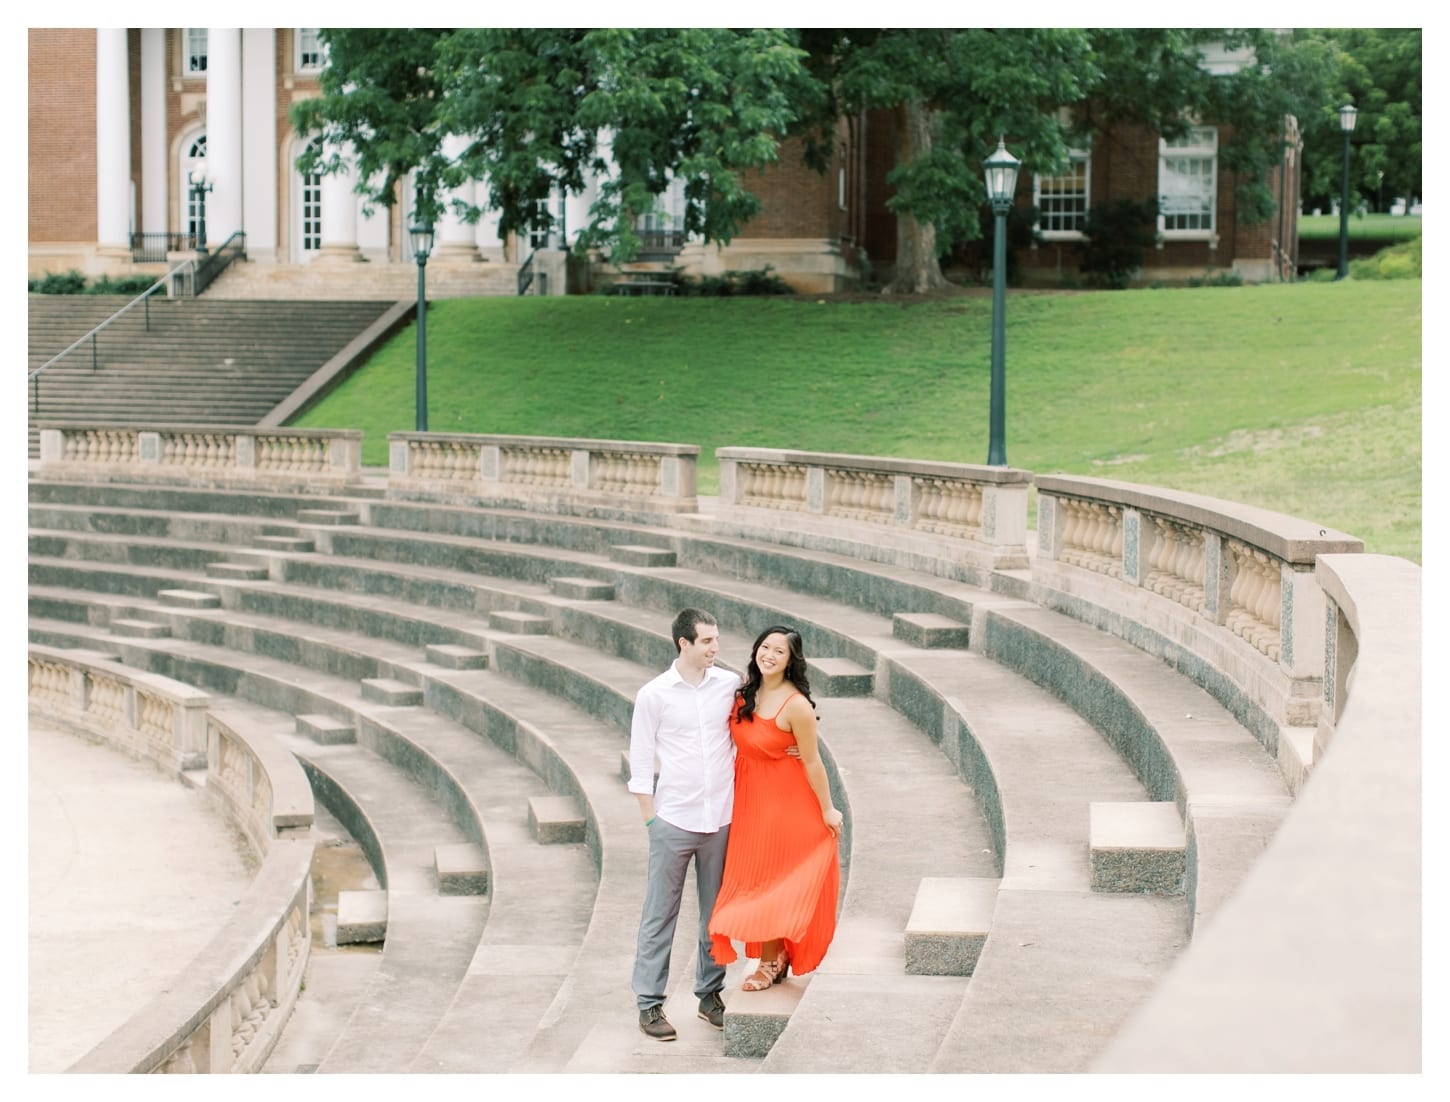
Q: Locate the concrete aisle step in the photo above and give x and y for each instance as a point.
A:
(430, 937)
(499, 990)
(543, 897)
(1072, 954)
(911, 817)
(1236, 795)
(899, 785)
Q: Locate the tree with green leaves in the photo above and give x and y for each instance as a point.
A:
(954, 92)
(1380, 72)
(549, 109)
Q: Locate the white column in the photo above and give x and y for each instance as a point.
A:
(339, 213)
(259, 142)
(155, 187)
(113, 144)
(223, 134)
(576, 215)
(456, 238)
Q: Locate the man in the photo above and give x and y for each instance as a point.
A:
(682, 717)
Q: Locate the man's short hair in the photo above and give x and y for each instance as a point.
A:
(687, 621)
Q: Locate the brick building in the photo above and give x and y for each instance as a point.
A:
(142, 138)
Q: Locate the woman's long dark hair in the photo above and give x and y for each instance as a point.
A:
(795, 671)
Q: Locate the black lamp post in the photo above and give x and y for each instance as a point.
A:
(421, 237)
(200, 185)
(1346, 123)
(1001, 170)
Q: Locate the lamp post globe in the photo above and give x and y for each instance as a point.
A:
(1347, 115)
(420, 236)
(1001, 173)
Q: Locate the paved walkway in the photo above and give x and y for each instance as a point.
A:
(131, 873)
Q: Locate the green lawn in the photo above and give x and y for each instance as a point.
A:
(1381, 227)
(1303, 398)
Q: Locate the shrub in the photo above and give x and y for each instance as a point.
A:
(56, 283)
(130, 286)
(1218, 279)
(1402, 261)
(1114, 237)
(756, 281)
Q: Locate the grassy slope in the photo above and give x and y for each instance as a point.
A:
(1304, 398)
(1325, 227)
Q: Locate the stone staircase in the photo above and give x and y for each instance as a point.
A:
(199, 361)
(366, 280)
(451, 677)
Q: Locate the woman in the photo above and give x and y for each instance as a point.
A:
(782, 873)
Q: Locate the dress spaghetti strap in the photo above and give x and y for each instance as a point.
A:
(783, 703)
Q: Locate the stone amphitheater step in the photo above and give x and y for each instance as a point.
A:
(1146, 917)
(1185, 745)
(541, 897)
(430, 936)
(1038, 767)
(921, 749)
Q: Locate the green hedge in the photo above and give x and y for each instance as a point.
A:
(74, 283)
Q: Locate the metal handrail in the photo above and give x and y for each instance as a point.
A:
(203, 274)
(144, 298)
(211, 267)
(526, 274)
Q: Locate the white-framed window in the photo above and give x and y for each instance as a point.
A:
(1062, 201)
(309, 212)
(664, 226)
(309, 50)
(1188, 184)
(195, 50)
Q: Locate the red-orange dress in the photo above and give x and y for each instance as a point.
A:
(782, 871)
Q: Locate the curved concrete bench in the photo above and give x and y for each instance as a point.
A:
(228, 1005)
(1315, 964)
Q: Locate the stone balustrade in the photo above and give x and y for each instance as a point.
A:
(201, 453)
(1233, 583)
(983, 507)
(143, 714)
(226, 1008)
(624, 477)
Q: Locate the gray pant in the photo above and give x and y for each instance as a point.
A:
(670, 852)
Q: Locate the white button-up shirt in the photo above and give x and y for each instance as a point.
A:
(687, 727)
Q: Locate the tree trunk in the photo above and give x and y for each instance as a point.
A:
(917, 268)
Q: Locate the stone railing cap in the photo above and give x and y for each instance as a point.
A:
(929, 468)
(570, 442)
(1290, 539)
(236, 430)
